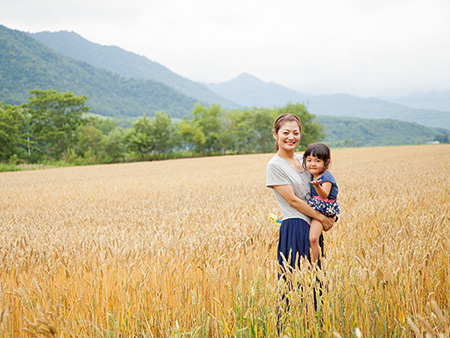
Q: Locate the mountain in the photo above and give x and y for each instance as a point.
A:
(251, 91)
(360, 132)
(26, 64)
(438, 100)
(127, 64)
(352, 106)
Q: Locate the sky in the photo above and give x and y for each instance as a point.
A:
(366, 48)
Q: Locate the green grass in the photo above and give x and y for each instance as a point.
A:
(4, 167)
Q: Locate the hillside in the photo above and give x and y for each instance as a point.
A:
(439, 100)
(373, 108)
(359, 132)
(26, 64)
(127, 64)
(251, 91)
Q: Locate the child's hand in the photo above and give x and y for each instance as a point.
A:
(316, 183)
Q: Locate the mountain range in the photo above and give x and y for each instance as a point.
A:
(26, 64)
(248, 90)
(127, 64)
(439, 100)
(123, 84)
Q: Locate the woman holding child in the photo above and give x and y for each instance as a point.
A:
(290, 182)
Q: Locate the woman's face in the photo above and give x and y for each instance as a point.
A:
(288, 136)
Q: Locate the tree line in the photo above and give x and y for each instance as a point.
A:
(51, 127)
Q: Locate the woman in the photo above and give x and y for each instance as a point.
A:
(290, 183)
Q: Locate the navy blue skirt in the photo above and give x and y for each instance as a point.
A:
(293, 243)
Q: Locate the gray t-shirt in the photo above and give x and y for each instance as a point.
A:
(280, 172)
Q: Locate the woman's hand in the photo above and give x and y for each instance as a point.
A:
(327, 222)
(289, 196)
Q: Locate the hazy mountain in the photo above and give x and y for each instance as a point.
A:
(26, 64)
(250, 91)
(360, 132)
(439, 100)
(127, 64)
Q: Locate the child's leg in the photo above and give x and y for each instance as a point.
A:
(314, 234)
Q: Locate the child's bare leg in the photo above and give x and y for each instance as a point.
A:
(314, 234)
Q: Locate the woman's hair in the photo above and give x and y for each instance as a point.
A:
(282, 119)
(319, 150)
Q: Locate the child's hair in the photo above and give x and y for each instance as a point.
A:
(319, 150)
(281, 120)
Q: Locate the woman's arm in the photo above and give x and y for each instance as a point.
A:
(288, 194)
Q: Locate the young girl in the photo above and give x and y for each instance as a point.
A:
(324, 190)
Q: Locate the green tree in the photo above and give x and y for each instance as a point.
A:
(55, 117)
(140, 138)
(113, 146)
(239, 129)
(88, 139)
(210, 122)
(442, 138)
(104, 125)
(261, 122)
(192, 137)
(30, 148)
(9, 130)
(163, 133)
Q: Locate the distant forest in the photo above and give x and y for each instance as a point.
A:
(359, 132)
(54, 126)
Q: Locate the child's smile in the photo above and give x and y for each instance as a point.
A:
(315, 165)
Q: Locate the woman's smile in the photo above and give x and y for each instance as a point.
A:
(288, 136)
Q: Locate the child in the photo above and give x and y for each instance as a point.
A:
(316, 159)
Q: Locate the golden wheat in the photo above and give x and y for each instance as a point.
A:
(185, 248)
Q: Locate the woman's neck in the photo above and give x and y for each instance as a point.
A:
(286, 154)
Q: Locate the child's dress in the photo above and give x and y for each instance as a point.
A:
(327, 206)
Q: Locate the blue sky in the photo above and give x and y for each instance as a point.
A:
(360, 47)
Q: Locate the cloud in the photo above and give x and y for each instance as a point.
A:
(357, 46)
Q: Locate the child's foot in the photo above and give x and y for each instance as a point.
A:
(274, 218)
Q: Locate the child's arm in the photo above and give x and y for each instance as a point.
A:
(322, 190)
(289, 196)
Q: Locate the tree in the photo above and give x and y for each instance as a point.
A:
(210, 122)
(192, 136)
(140, 138)
(261, 121)
(88, 139)
(9, 130)
(163, 130)
(105, 125)
(30, 143)
(55, 117)
(239, 129)
(442, 138)
(113, 146)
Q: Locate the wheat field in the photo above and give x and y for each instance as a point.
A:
(184, 248)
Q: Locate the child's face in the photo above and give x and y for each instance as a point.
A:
(315, 165)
